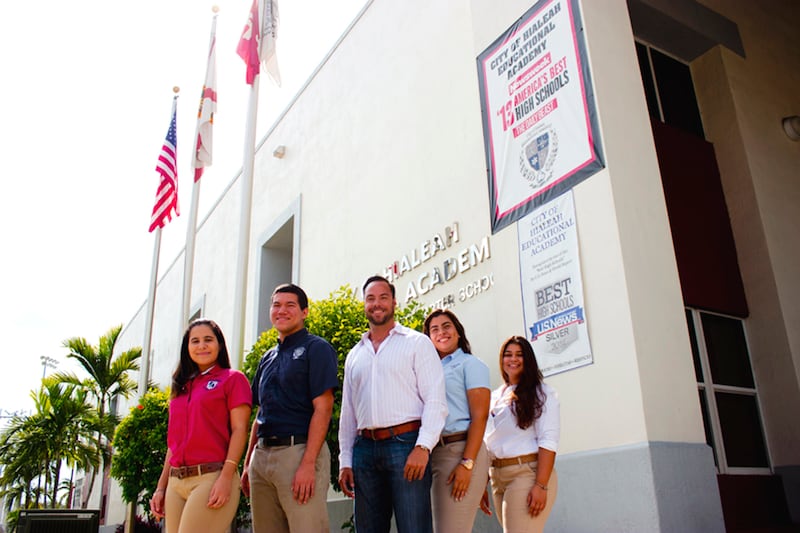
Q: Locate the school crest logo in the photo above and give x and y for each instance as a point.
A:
(211, 385)
(298, 352)
(538, 155)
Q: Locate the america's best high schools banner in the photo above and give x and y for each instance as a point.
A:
(552, 288)
(539, 122)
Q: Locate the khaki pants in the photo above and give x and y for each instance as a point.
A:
(510, 488)
(186, 508)
(450, 516)
(272, 503)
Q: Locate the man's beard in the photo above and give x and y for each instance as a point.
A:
(386, 318)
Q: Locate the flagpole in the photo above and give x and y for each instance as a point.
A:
(166, 203)
(188, 266)
(257, 44)
(244, 225)
(191, 228)
(151, 302)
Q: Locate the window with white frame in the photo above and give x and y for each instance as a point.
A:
(728, 393)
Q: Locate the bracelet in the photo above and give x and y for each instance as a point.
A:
(540, 485)
(231, 461)
(159, 490)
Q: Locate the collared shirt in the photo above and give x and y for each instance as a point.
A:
(503, 436)
(287, 380)
(462, 372)
(198, 430)
(403, 381)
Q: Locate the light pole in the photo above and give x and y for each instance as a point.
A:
(47, 362)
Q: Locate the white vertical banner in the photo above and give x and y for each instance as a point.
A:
(552, 287)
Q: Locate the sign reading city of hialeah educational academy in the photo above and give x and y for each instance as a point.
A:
(539, 122)
(552, 289)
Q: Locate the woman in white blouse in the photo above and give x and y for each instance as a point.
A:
(522, 439)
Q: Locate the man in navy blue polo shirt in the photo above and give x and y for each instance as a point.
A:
(287, 466)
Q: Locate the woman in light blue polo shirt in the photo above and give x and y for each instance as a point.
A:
(459, 462)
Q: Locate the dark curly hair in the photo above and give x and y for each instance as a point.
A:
(463, 343)
(188, 369)
(528, 398)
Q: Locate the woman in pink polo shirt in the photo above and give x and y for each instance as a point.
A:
(522, 436)
(209, 415)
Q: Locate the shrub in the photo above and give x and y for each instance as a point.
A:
(140, 445)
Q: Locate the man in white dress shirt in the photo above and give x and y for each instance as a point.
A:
(393, 410)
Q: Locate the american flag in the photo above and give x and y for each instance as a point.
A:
(167, 194)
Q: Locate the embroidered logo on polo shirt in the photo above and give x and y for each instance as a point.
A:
(211, 385)
(298, 352)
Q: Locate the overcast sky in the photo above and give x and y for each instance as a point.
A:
(86, 94)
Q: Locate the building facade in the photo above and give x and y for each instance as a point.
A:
(687, 240)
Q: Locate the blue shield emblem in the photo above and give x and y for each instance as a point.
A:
(537, 151)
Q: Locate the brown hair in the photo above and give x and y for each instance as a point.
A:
(463, 343)
(528, 397)
(188, 369)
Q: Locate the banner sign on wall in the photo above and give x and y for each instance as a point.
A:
(552, 290)
(539, 122)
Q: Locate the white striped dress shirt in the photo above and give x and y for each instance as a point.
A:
(403, 381)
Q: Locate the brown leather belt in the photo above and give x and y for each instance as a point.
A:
(388, 433)
(518, 460)
(181, 472)
(453, 437)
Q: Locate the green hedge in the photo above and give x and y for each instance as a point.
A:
(140, 445)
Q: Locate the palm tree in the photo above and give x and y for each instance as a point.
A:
(20, 462)
(70, 425)
(108, 380)
(61, 430)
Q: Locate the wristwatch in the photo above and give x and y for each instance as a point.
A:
(467, 463)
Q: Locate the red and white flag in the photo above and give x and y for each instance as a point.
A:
(251, 48)
(167, 193)
(208, 106)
